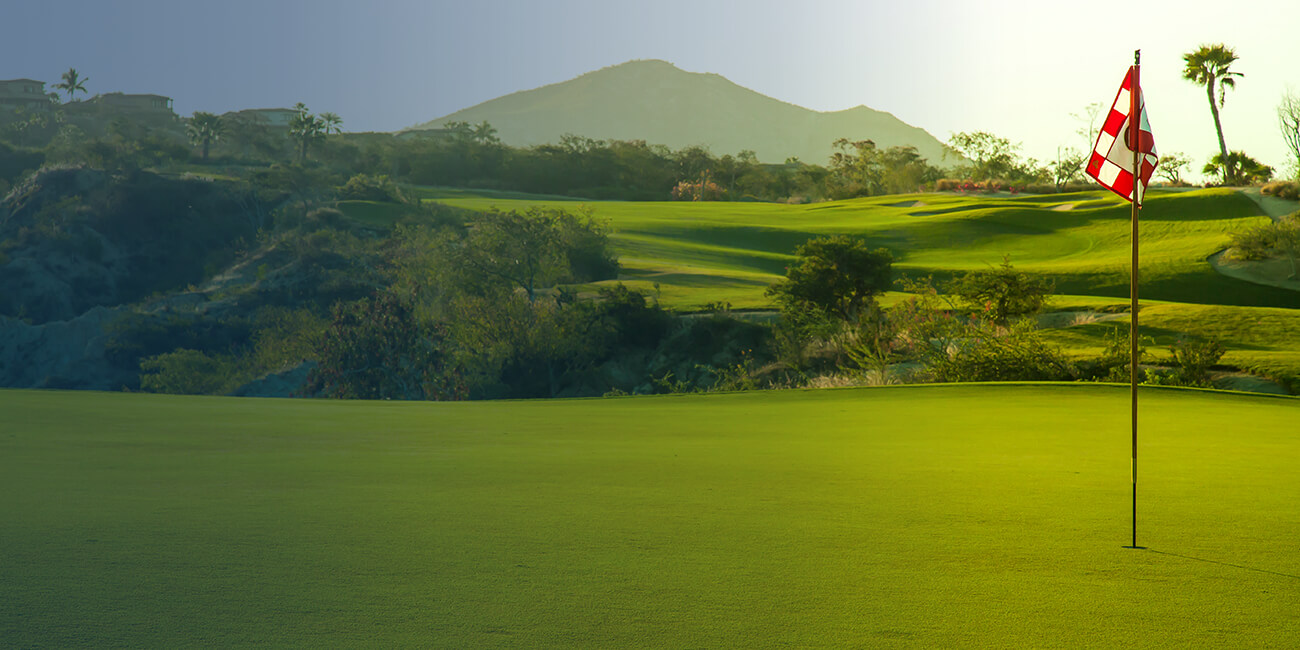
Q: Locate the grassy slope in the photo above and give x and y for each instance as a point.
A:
(732, 251)
(925, 516)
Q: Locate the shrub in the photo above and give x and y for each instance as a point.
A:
(1114, 363)
(1193, 358)
(186, 372)
(1021, 354)
(705, 190)
(1253, 244)
(364, 187)
(1003, 293)
(1289, 190)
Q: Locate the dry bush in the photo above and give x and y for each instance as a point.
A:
(1289, 190)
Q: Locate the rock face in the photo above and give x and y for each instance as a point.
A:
(77, 245)
(61, 354)
(77, 238)
(289, 383)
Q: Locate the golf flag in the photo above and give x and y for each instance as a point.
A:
(1111, 163)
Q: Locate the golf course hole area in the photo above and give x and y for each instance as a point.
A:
(933, 516)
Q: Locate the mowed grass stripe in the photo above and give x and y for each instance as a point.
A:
(935, 516)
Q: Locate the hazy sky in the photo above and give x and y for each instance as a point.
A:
(1017, 69)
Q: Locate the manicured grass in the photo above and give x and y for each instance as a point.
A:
(689, 255)
(1262, 340)
(743, 247)
(374, 214)
(945, 516)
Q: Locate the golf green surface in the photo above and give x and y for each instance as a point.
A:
(933, 516)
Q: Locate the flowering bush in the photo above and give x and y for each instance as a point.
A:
(705, 190)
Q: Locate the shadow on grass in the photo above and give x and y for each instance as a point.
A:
(1235, 566)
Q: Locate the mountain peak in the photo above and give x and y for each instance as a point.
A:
(655, 101)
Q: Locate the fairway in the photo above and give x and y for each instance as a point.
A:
(721, 251)
(934, 516)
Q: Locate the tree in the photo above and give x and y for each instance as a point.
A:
(1288, 120)
(1240, 169)
(837, 277)
(72, 82)
(378, 348)
(203, 130)
(1087, 119)
(862, 169)
(1067, 167)
(1172, 165)
(305, 128)
(1210, 66)
(484, 133)
(529, 251)
(331, 123)
(1003, 293)
(855, 169)
(993, 157)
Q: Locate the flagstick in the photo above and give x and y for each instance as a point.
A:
(1134, 141)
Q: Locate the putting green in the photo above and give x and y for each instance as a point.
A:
(932, 516)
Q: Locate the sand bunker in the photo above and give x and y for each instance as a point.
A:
(1059, 319)
(1063, 207)
(1274, 272)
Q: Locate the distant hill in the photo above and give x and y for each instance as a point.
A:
(662, 104)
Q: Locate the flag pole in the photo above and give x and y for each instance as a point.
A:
(1134, 142)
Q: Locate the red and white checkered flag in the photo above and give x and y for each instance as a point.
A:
(1111, 163)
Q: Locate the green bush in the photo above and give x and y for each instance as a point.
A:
(364, 187)
(1003, 293)
(1020, 354)
(1114, 363)
(187, 372)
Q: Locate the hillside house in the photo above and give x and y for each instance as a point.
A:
(276, 118)
(23, 94)
(135, 103)
(152, 110)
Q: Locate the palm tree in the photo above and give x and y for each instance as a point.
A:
(332, 122)
(1240, 169)
(204, 129)
(72, 82)
(1206, 66)
(485, 133)
(305, 127)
